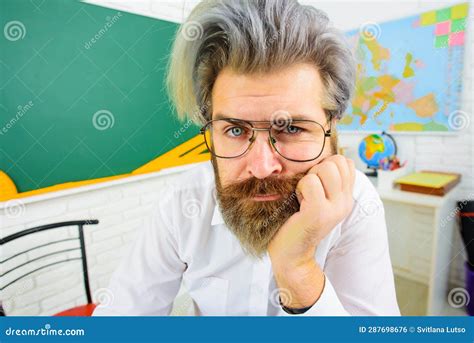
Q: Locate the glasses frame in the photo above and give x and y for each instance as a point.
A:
(272, 140)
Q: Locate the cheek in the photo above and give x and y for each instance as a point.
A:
(231, 170)
(293, 168)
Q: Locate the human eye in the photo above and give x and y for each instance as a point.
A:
(235, 131)
(293, 130)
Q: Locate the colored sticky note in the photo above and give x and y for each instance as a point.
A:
(459, 11)
(458, 25)
(441, 41)
(428, 18)
(443, 28)
(443, 15)
(456, 38)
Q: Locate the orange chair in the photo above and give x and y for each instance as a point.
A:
(85, 310)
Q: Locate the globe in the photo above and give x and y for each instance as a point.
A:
(375, 147)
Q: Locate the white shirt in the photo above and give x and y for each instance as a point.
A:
(188, 242)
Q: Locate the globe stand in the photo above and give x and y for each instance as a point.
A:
(371, 172)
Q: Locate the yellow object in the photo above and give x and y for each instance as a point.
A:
(191, 151)
(428, 18)
(459, 11)
(7, 187)
(425, 179)
(407, 127)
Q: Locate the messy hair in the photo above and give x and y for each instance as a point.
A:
(255, 36)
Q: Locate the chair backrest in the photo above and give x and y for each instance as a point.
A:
(51, 245)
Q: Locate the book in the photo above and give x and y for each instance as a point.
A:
(428, 182)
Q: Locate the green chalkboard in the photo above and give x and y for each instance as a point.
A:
(82, 92)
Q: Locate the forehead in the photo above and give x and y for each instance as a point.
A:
(295, 90)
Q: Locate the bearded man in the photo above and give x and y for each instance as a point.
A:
(277, 223)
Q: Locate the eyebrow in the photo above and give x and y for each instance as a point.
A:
(292, 116)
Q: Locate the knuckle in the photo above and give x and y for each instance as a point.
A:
(329, 166)
(303, 181)
(310, 179)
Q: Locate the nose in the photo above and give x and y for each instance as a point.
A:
(262, 159)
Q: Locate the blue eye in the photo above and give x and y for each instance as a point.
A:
(236, 131)
(293, 129)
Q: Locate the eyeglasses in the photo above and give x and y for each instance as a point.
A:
(295, 140)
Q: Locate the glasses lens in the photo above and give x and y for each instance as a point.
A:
(299, 140)
(228, 138)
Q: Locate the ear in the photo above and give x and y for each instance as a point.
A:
(333, 140)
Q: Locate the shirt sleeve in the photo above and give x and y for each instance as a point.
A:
(148, 279)
(359, 276)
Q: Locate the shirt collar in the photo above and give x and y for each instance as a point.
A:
(217, 216)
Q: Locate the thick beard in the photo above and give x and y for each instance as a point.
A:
(255, 223)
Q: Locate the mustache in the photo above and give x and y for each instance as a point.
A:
(253, 186)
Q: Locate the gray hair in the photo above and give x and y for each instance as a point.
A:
(255, 36)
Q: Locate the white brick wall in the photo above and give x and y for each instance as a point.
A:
(122, 208)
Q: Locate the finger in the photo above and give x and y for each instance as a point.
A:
(343, 167)
(331, 179)
(352, 172)
(299, 196)
(310, 188)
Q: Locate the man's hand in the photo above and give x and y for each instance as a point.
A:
(325, 197)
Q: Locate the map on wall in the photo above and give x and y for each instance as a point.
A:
(409, 73)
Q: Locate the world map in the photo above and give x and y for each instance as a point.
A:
(409, 73)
